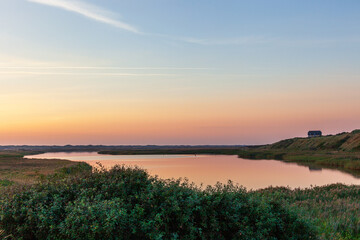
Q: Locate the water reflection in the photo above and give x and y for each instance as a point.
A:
(209, 169)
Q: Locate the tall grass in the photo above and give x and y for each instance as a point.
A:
(334, 209)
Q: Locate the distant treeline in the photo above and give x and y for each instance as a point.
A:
(98, 148)
(229, 150)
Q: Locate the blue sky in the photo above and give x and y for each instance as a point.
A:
(257, 34)
(259, 55)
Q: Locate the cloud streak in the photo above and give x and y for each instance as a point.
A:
(89, 11)
(87, 74)
(110, 68)
(98, 14)
(229, 41)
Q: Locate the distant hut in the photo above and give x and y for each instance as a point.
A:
(314, 133)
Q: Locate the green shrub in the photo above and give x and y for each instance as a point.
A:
(126, 203)
(5, 183)
(356, 131)
(355, 164)
(78, 168)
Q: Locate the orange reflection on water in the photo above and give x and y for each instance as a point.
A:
(210, 169)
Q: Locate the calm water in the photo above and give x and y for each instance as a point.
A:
(209, 169)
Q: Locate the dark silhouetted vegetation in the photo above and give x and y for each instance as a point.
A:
(169, 150)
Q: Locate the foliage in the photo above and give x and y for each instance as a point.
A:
(5, 183)
(126, 203)
(79, 168)
(334, 208)
(356, 131)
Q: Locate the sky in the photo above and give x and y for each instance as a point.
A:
(177, 71)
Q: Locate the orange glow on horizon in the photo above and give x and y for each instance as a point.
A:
(243, 119)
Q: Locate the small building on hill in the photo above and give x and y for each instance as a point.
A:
(314, 134)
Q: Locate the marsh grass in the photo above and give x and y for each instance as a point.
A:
(16, 169)
(334, 209)
(6, 183)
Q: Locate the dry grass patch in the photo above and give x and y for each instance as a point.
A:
(15, 168)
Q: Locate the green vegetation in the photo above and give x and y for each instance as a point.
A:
(341, 142)
(5, 183)
(16, 169)
(341, 151)
(334, 209)
(70, 201)
(126, 203)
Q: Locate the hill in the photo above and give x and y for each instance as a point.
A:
(341, 151)
(339, 142)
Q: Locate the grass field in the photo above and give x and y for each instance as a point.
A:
(333, 209)
(16, 169)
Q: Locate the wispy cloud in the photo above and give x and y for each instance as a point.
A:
(86, 74)
(101, 15)
(89, 11)
(229, 41)
(100, 68)
(274, 41)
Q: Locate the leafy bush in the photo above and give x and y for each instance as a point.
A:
(126, 203)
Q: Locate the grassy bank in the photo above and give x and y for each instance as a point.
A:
(348, 142)
(341, 151)
(16, 169)
(345, 161)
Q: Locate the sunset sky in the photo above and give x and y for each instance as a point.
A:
(177, 71)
